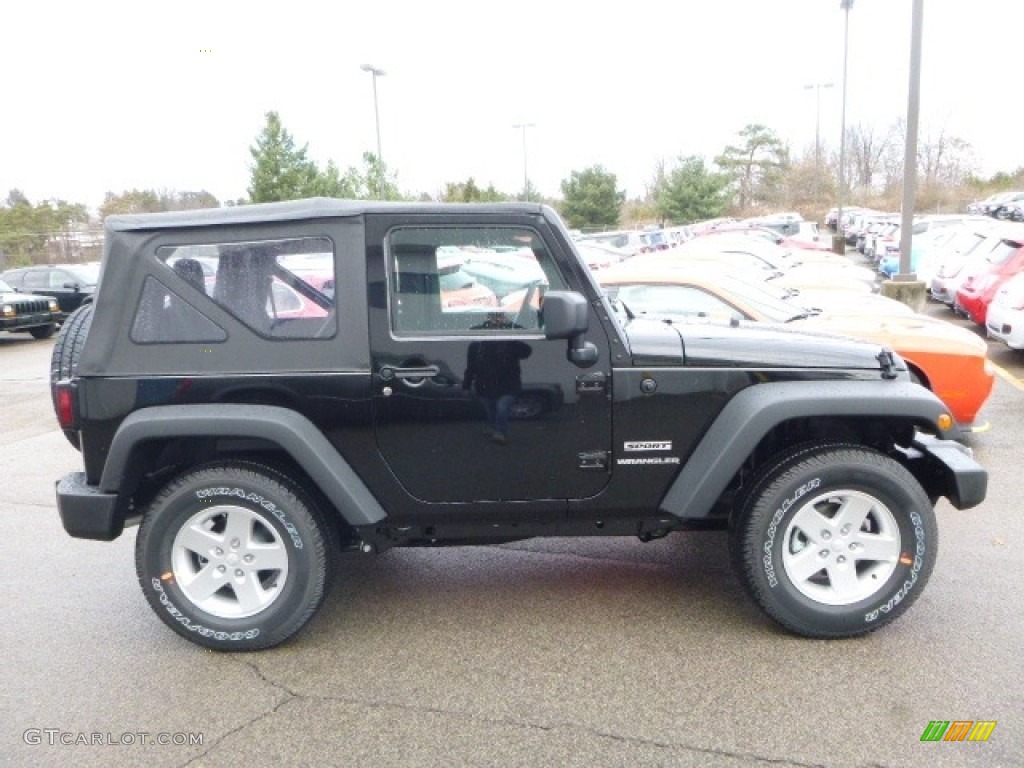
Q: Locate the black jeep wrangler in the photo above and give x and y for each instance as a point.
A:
(264, 387)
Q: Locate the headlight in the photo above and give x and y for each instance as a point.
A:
(8, 310)
(54, 306)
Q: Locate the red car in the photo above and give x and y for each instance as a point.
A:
(977, 292)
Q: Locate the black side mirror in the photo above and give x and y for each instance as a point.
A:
(565, 315)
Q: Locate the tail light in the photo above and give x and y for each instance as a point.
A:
(65, 402)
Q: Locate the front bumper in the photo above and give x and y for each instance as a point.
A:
(25, 322)
(87, 512)
(962, 479)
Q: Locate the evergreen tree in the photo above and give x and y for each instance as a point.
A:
(690, 192)
(280, 171)
(591, 199)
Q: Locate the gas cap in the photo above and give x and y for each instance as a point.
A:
(648, 386)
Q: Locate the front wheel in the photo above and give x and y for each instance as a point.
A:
(43, 331)
(835, 541)
(234, 556)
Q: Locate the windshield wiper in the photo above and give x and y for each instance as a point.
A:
(803, 315)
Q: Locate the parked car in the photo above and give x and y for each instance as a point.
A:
(933, 247)
(888, 255)
(1015, 211)
(596, 255)
(957, 267)
(461, 289)
(503, 273)
(1005, 320)
(253, 453)
(978, 290)
(768, 262)
(71, 284)
(1002, 209)
(27, 313)
(986, 206)
(948, 359)
(628, 240)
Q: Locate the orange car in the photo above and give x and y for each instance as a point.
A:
(949, 360)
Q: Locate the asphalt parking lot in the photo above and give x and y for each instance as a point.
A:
(608, 652)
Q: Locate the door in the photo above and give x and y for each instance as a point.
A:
(471, 402)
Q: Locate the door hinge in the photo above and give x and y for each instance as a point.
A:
(590, 382)
(594, 460)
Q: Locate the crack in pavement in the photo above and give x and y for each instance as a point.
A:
(292, 696)
(289, 697)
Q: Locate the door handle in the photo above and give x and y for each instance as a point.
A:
(411, 377)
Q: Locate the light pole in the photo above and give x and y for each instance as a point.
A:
(910, 148)
(817, 121)
(526, 176)
(376, 72)
(839, 242)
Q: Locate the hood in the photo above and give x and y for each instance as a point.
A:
(654, 342)
(13, 297)
(746, 345)
(905, 334)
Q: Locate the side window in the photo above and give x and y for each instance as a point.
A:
(36, 280)
(468, 279)
(278, 288)
(163, 316)
(59, 278)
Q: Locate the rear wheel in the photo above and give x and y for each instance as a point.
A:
(234, 556)
(835, 541)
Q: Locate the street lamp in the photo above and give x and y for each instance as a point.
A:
(376, 72)
(817, 121)
(526, 177)
(839, 242)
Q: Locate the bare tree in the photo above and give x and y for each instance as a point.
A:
(867, 149)
(944, 159)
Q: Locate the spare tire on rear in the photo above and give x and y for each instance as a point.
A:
(66, 351)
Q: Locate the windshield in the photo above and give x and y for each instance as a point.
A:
(1002, 252)
(731, 296)
(5, 288)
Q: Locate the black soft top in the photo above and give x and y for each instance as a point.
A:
(293, 210)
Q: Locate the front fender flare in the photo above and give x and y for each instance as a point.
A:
(293, 432)
(752, 413)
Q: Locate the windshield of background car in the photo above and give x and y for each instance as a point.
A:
(1002, 252)
(695, 300)
(449, 280)
(281, 288)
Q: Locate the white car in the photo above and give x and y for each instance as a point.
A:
(1005, 319)
(958, 267)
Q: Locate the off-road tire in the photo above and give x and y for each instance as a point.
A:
(202, 541)
(66, 351)
(834, 540)
(43, 331)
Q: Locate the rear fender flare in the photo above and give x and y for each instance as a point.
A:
(294, 433)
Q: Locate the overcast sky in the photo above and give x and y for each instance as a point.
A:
(102, 96)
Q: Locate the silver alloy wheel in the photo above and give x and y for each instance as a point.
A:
(229, 561)
(841, 547)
